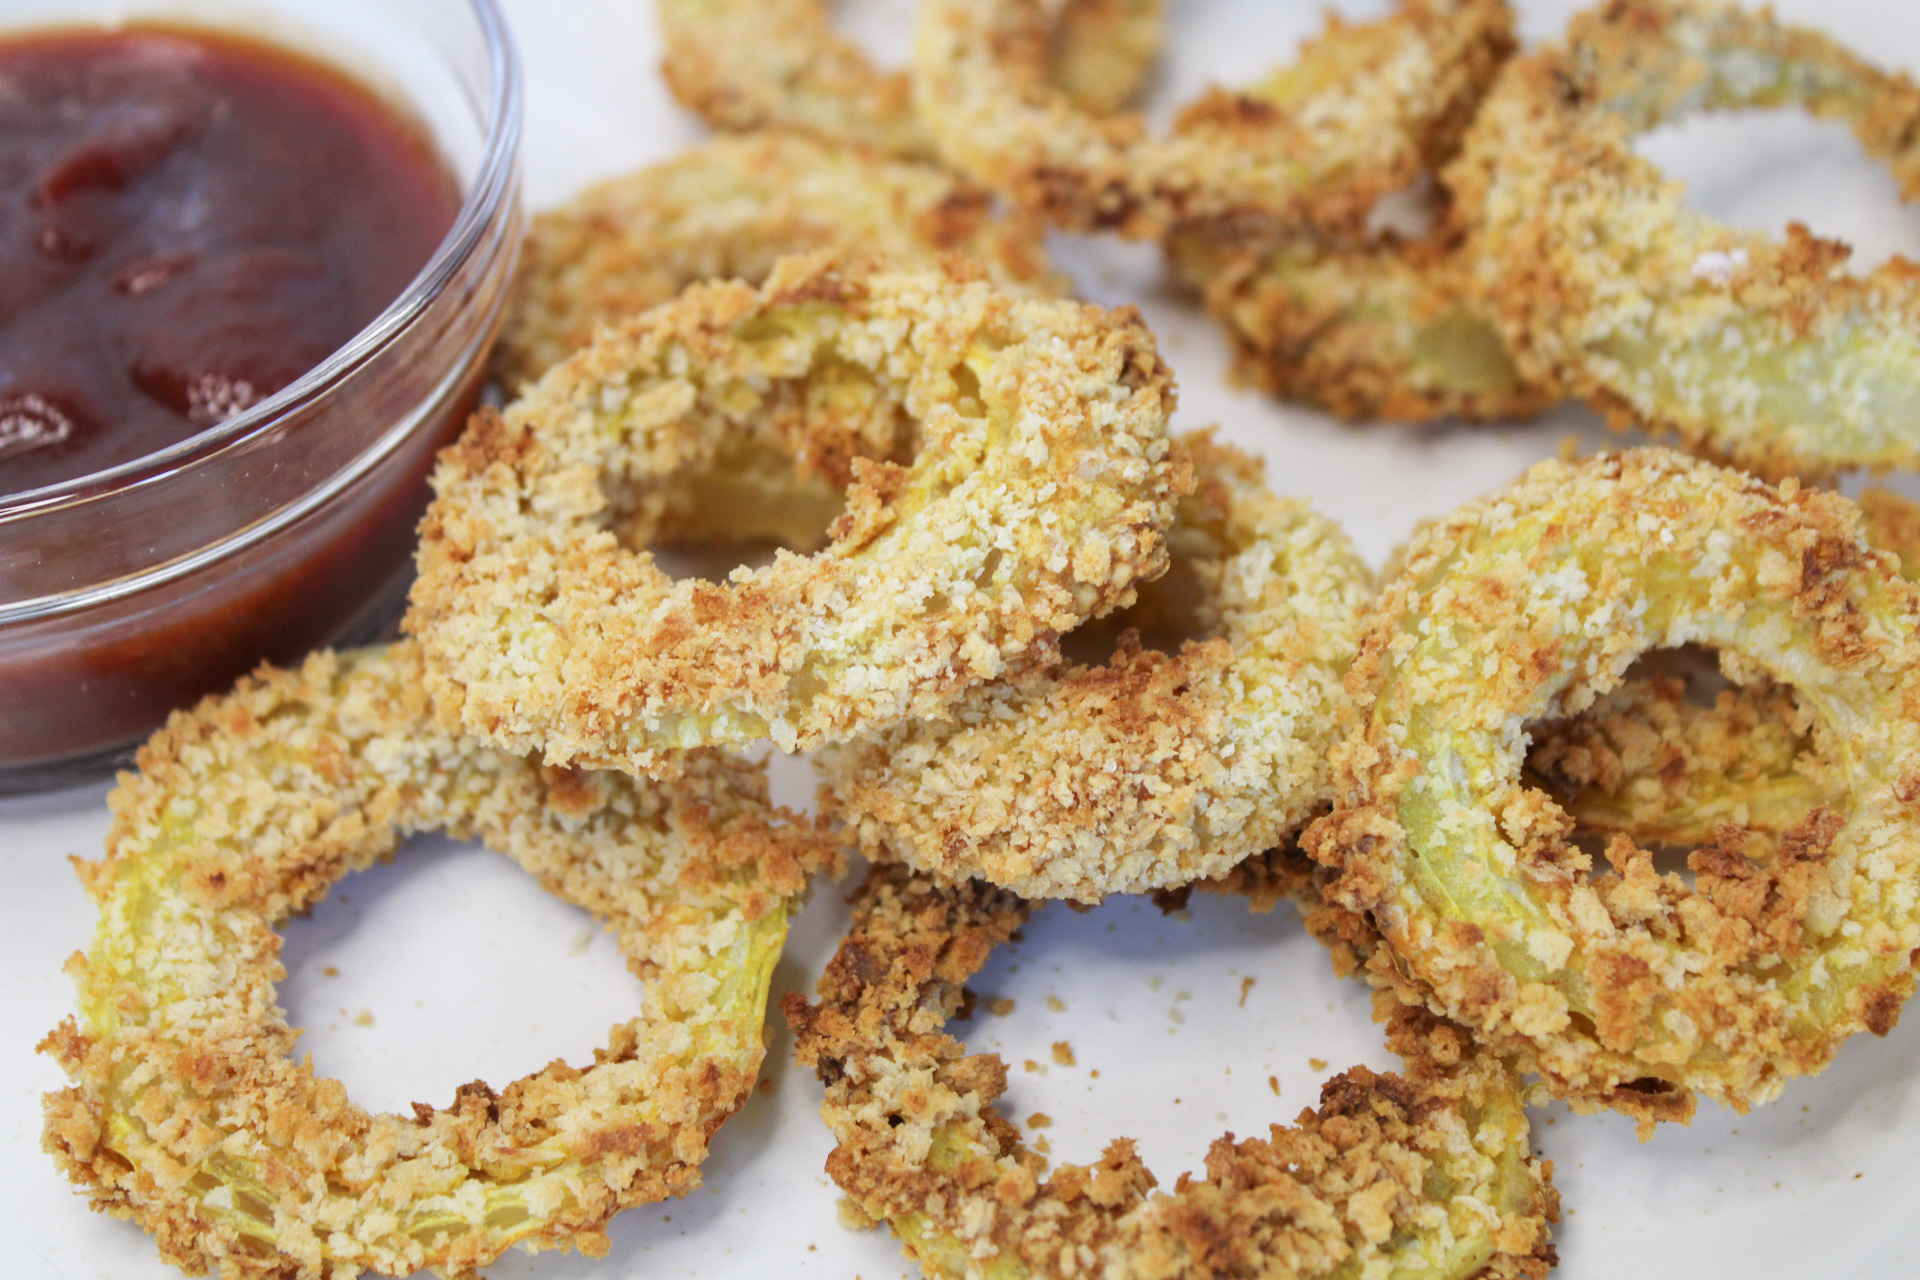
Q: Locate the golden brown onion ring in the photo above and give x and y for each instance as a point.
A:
(188, 1112)
(1358, 116)
(1761, 351)
(1038, 477)
(1625, 986)
(1147, 770)
(727, 210)
(756, 64)
(1427, 1173)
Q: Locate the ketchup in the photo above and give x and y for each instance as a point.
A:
(188, 222)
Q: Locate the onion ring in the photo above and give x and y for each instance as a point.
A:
(1358, 116)
(754, 64)
(1629, 988)
(1756, 350)
(728, 209)
(1380, 330)
(1042, 478)
(188, 1113)
(1351, 1189)
(1148, 770)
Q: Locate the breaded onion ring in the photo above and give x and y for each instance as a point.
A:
(1427, 1173)
(1761, 351)
(188, 1113)
(726, 210)
(1381, 330)
(1149, 770)
(1357, 117)
(1626, 987)
(1040, 478)
(755, 64)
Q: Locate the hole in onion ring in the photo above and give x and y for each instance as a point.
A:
(882, 28)
(353, 965)
(1133, 984)
(1763, 168)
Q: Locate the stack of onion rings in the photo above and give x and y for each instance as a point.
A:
(727, 210)
(1630, 990)
(1764, 352)
(1429, 1174)
(754, 64)
(1149, 770)
(187, 1112)
(1359, 116)
(1038, 486)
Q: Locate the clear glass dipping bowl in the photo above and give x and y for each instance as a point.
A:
(289, 527)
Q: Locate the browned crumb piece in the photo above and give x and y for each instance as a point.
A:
(1351, 1187)
(1039, 1120)
(1000, 1006)
(1062, 1054)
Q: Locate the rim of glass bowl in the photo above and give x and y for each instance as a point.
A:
(494, 183)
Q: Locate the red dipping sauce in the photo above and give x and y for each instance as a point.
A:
(189, 223)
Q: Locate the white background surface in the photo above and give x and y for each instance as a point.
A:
(450, 965)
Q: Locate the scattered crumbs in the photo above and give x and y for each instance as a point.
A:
(581, 941)
(1039, 1120)
(1153, 982)
(1858, 1176)
(1031, 1065)
(1569, 448)
(1041, 1145)
(1000, 1006)
(666, 1217)
(1776, 1186)
(1095, 1073)
(1221, 1116)
(765, 1085)
(1062, 1054)
(364, 1018)
(1246, 985)
(1553, 1120)
(1176, 1102)
(332, 971)
(852, 1217)
(813, 1248)
(1014, 968)
(1273, 1083)
(1056, 1004)
(1174, 1013)
(1178, 996)
(1318, 1064)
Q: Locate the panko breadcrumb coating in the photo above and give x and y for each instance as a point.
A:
(727, 210)
(1762, 351)
(1626, 987)
(188, 1112)
(1008, 470)
(1148, 770)
(756, 64)
(1423, 1174)
(1358, 116)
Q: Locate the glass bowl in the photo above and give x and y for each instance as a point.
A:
(288, 527)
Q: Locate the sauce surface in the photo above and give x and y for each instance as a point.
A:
(188, 222)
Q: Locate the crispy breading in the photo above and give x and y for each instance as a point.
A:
(1628, 988)
(1037, 479)
(1148, 770)
(1428, 1172)
(1762, 351)
(756, 64)
(727, 210)
(188, 1112)
(1357, 117)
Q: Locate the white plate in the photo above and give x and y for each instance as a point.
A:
(462, 970)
